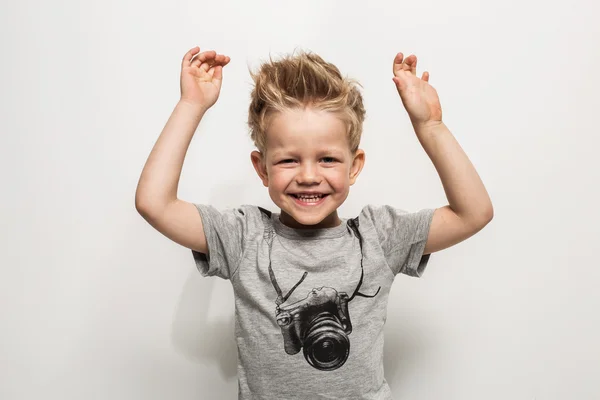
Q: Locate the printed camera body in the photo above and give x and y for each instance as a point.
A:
(321, 324)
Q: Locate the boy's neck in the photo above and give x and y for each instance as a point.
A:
(331, 221)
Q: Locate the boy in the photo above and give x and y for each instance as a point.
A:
(310, 288)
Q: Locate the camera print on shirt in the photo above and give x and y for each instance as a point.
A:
(320, 323)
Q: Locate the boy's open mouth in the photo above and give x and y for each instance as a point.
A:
(309, 199)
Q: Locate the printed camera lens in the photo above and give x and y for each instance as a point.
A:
(326, 344)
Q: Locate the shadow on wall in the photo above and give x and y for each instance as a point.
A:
(406, 344)
(197, 338)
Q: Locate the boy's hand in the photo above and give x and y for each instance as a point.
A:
(420, 99)
(201, 77)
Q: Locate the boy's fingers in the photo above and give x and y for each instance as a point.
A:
(209, 58)
(218, 74)
(399, 83)
(221, 59)
(397, 62)
(187, 58)
(207, 61)
(413, 65)
(206, 55)
(406, 64)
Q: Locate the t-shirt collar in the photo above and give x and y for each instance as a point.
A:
(312, 233)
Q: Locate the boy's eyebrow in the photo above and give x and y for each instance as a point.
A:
(334, 151)
(276, 154)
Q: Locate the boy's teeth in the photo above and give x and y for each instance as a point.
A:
(309, 199)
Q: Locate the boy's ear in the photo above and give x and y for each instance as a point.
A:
(260, 166)
(357, 165)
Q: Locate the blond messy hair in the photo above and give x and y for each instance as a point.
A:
(302, 81)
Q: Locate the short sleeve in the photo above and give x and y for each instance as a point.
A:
(402, 236)
(227, 232)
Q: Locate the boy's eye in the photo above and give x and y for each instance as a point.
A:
(328, 160)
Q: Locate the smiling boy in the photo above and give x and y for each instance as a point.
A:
(311, 287)
(308, 166)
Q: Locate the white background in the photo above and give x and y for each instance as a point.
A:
(96, 304)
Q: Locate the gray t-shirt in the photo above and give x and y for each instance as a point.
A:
(310, 305)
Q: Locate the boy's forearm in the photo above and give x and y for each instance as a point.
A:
(160, 177)
(464, 189)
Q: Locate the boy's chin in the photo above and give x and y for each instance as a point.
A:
(308, 219)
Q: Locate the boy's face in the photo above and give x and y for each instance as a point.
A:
(308, 152)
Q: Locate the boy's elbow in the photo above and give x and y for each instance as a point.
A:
(485, 218)
(149, 208)
(143, 206)
(139, 203)
(488, 215)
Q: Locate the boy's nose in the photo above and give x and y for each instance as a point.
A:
(308, 174)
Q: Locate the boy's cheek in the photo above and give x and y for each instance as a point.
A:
(280, 178)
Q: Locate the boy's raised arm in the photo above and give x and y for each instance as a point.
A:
(469, 206)
(156, 195)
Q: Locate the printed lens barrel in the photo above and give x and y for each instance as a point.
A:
(326, 344)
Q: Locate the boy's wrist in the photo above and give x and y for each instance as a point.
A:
(197, 109)
(429, 128)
